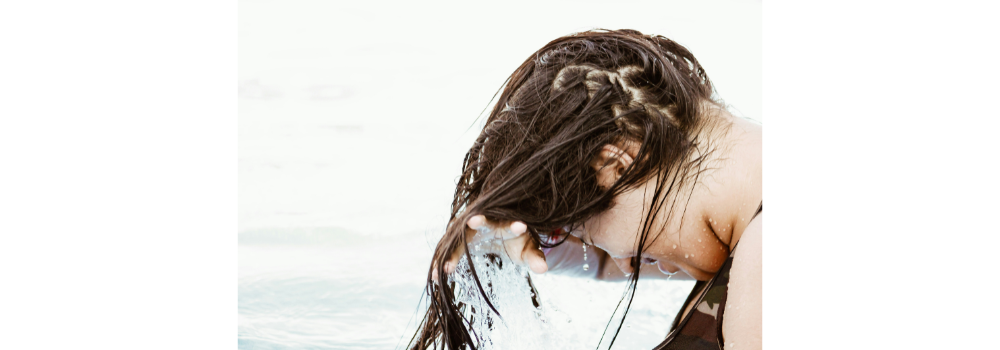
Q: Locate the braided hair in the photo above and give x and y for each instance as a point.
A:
(554, 115)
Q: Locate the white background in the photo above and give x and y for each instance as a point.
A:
(354, 113)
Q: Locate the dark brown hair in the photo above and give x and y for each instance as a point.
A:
(558, 109)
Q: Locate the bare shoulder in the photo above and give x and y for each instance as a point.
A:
(741, 325)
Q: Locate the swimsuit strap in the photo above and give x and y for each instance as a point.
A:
(676, 340)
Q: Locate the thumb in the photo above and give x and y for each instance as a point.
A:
(535, 259)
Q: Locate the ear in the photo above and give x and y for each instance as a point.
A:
(610, 163)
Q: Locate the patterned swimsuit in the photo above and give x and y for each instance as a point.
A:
(702, 328)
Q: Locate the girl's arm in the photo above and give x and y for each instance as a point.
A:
(741, 323)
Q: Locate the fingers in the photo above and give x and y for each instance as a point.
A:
(476, 222)
(521, 249)
(535, 260)
(517, 228)
(524, 251)
(452, 262)
(499, 230)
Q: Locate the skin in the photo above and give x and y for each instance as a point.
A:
(693, 238)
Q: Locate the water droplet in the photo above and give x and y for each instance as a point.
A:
(699, 240)
(685, 256)
(675, 246)
(586, 267)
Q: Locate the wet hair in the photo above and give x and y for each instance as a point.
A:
(532, 161)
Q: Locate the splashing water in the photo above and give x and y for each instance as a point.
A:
(571, 313)
(523, 322)
(301, 289)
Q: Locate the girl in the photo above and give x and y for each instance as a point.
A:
(615, 138)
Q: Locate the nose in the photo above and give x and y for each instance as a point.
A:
(624, 264)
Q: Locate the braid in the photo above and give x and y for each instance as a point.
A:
(557, 111)
(625, 97)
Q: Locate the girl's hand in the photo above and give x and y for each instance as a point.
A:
(519, 246)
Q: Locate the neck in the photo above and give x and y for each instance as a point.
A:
(733, 189)
(705, 216)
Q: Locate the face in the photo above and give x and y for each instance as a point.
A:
(688, 246)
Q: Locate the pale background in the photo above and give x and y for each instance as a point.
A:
(354, 118)
(119, 197)
(357, 114)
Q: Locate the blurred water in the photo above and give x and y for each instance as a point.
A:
(326, 289)
(334, 289)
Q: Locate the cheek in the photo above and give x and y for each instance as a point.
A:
(617, 229)
(614, 231)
